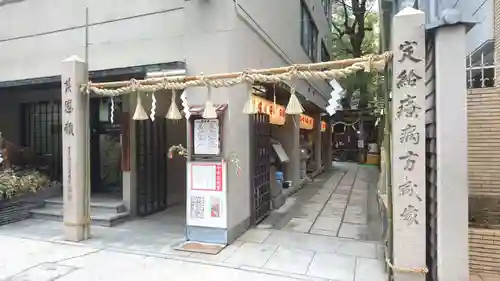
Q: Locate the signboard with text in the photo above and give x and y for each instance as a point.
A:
(277, 115)
(206, 194)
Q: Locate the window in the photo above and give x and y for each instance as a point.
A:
(326, 5)
(325, 56)
(309, 33)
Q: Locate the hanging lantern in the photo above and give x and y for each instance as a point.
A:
(153, 107)
(249, 105)
(294, 106)
(140, 113)
(173, 112)
(209, 112)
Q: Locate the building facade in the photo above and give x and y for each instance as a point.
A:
(124, 40)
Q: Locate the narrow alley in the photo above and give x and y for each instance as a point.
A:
(325, 231)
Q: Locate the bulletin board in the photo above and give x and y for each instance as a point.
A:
(206, 194)
(206, 138)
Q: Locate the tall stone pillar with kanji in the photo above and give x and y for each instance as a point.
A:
(75, 147)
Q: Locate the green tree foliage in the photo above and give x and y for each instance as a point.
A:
(354, 27)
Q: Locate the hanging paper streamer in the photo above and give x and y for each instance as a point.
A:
(209, 112)
(112, 114)
(153, 107)
(185, 105)
(140, 113)
(249, 105)
(173, 112)
(294, 107)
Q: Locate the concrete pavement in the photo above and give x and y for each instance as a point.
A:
(322, 233)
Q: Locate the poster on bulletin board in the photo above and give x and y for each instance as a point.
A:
(206, 194)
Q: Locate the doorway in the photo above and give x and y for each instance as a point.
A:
(151, 155)
(260, 174)
(105, 146)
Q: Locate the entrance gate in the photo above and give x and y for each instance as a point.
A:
(261, 151)
(151, 158)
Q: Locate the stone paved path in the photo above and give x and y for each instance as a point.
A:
(336, 206)
(322, 233)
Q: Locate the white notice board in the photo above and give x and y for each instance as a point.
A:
(206, 137)
(206, 194)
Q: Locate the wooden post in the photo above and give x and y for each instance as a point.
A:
(408, 150)
(75, 144)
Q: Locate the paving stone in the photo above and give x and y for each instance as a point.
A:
(354, 231)
(331, 266)
(323, 232)
(255, 235)
(303, 241)
(290, 260)
(299, 225)
(224, 254)
(43, 272)
(357, 248)
(355, 218)
(327, 223)
(251, 254)
(369, 270)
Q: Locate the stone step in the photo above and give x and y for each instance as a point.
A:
(110, 205)
(103, 212)
(99, 217)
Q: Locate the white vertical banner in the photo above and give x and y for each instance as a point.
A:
(408, 145)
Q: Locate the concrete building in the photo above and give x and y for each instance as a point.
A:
(132, 39)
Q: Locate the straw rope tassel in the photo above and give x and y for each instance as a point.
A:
(249, 107)
(140, 113)
(209, 112)
(173, 112)
(294, 106)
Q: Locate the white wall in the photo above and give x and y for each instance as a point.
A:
(482, 12)
(35, 36)
(281, 20)
(126, 33)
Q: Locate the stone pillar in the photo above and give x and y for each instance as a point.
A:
(317, 142)
(75, 146)
(328, 145)
(451, 156)
(408, 149)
